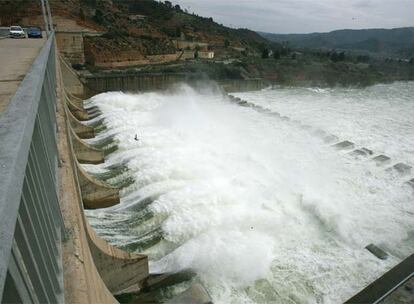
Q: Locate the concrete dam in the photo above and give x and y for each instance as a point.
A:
(55, 209)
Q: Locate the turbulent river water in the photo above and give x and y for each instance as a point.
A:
(261, 209)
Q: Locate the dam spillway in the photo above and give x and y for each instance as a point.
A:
(278, 196)
(49, 253)
(244, 198)
(253, 198)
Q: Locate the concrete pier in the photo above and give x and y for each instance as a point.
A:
(402, 169)
(196, 294)
(85, 154)
(96, 194)
(81, 130)
(363, 152)
(94, 270)
(344, 145)
(378, 252)
(381, 160)
(48, 251)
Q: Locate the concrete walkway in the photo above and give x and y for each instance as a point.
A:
(16, 57)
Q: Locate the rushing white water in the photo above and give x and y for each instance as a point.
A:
(381, 116)
(260, 209)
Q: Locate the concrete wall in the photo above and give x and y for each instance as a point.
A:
(182, 44)
(132, 82)
(36, 20)
(187, 55)
(243, 85)
(151, 59)
(71, 46)
(151, 82)
(93, 269)
(70, 80)
(206, 54)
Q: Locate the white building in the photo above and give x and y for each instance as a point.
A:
(206, 54)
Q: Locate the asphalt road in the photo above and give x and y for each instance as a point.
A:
(4, 32)
(16, 57)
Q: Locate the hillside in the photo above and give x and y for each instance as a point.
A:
(152, 37)
(388, 42)
(138, 28)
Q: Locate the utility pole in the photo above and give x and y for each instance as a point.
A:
(49, 15)
(42, 4)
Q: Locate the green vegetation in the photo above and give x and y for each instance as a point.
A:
(343, 58)
(298, 67)
(99, 16)
(137, 29)
(171, 20)
(153, 9)
(326, 68)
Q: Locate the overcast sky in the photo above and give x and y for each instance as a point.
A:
(304, 16)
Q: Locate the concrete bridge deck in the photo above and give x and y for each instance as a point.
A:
(16, 57)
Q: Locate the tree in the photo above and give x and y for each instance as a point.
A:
(284, 51)
(90, 2)
(336, 57)
(82, 14)
(168, 4)
(177, 32)
(412, 60)
(363, 58)
(226, 43)
(265, 53)
(99, 16)
(276, 54)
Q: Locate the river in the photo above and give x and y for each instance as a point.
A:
(263, 209)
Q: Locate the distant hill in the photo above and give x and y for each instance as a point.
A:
(392, 42)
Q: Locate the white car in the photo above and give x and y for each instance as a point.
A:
(16, 32)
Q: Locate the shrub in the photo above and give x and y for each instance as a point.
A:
(99, 16)
(78, 66)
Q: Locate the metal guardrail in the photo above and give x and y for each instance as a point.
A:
(31, 224)
(385, 285)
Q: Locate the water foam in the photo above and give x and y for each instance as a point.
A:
(262, 211)
(380, 116)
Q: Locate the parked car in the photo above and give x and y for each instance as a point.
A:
(17, 32)
(34, 32)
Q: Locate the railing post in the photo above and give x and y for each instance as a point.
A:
(31, 223)
(49, 14)
(42, 4)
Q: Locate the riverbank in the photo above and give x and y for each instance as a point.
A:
(305, 70)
